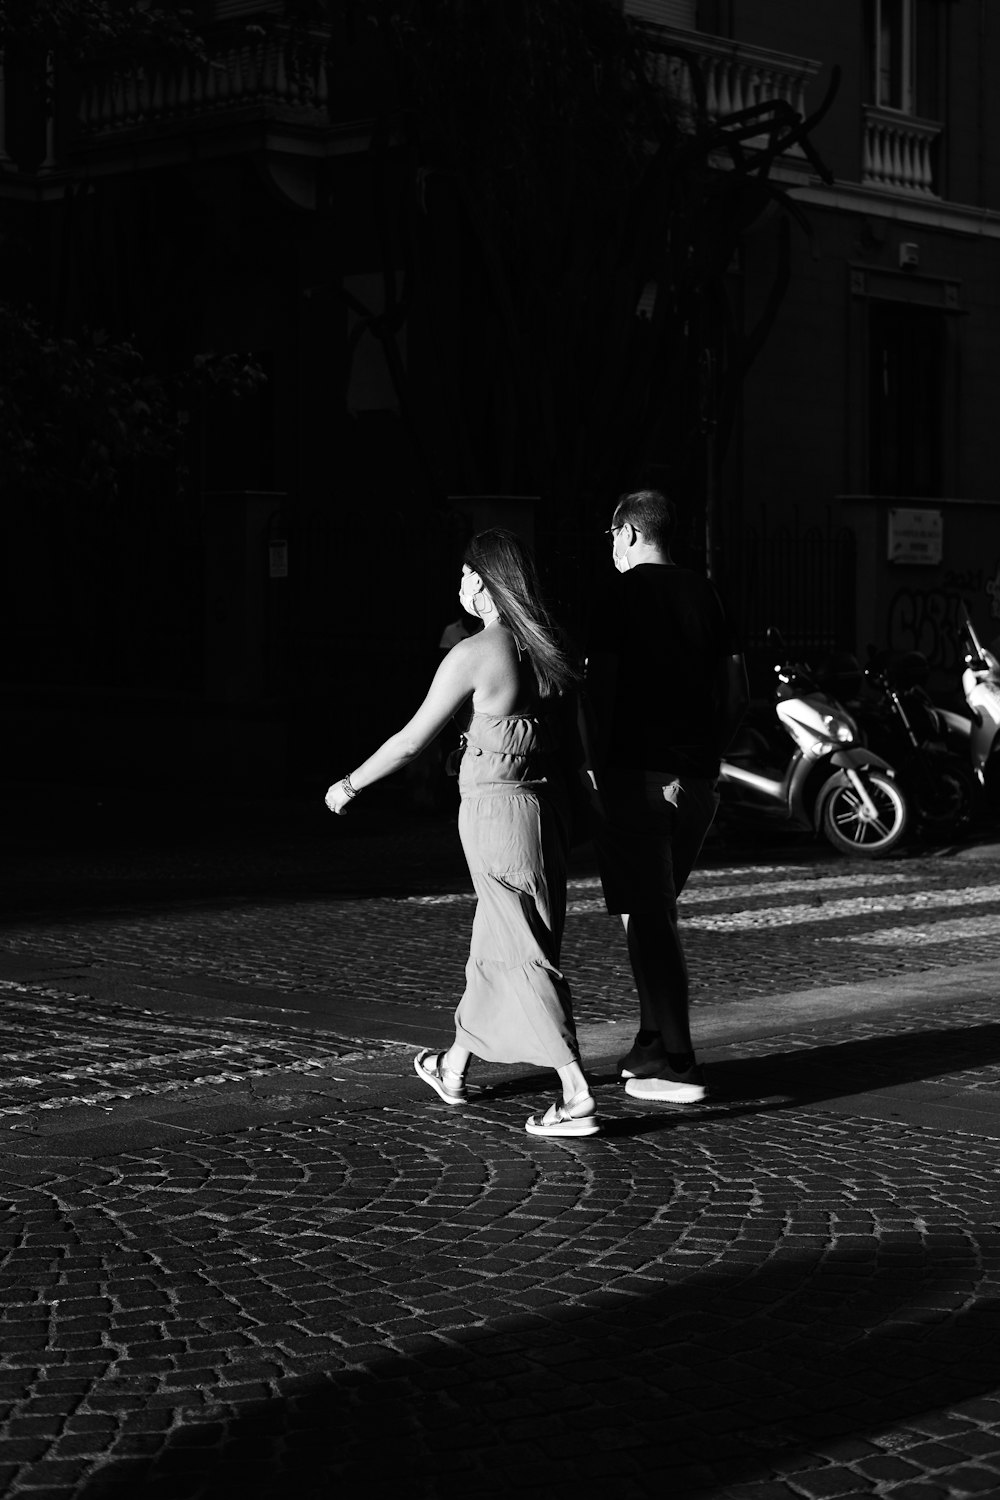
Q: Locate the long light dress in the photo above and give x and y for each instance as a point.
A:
(513, 822)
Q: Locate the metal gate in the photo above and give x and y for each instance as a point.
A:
(802, 581)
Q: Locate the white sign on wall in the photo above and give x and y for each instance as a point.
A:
(915, 536)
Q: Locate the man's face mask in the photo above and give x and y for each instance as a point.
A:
(619, 547)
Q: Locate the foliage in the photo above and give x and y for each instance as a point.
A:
(75, 412)
(83, 29)
(78, 409)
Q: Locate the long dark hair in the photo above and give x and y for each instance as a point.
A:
(507, 568)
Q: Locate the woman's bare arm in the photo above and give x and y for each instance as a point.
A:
(453, 682)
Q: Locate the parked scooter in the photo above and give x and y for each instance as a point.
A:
(899, 721)
(979, 735)
(830, 782)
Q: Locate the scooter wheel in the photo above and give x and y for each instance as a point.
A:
(850, 827)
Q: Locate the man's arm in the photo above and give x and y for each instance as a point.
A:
(598, 706)
(732, 699)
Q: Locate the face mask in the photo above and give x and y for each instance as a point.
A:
(619, 559)
(466, 595)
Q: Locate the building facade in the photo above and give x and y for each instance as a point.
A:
(867, 454)
(243, 626)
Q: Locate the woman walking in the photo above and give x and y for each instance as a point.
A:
(515, 785)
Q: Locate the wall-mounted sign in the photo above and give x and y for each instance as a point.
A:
(277, 559)
(915, 536)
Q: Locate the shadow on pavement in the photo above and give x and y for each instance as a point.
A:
(129, 852)
(727, 1378)
(100, 852)
(787, 1080)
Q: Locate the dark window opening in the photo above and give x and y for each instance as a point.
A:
(905, 40)
(906, 399)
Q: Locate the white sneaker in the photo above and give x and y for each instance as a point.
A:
(681, 1088)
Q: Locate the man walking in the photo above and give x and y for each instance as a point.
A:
(667, 688)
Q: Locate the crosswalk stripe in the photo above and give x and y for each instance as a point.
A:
(699, 891)
(701, 895)
(947, 931)
(832, 911)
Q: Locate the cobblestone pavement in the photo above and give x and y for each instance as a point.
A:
(244, 1251)
(786, 923)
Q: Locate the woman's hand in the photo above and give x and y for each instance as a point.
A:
(337, 797)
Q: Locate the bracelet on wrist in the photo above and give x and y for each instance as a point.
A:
(349, 787)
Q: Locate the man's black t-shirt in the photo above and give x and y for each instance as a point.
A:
(669, 630)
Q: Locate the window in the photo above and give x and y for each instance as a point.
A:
(906, 399)
(904, 55)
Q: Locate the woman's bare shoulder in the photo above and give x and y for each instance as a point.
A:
(488, 646)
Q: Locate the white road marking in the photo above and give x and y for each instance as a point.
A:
(953, 929)
(163, 1086)
(134, 1035)
(700, 890)
(834, 911)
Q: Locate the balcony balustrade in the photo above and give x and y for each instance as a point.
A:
(267, 73)
(899, 152)
(735, 75)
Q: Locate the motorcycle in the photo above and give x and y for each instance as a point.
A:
(978, 736)
(898, 720)
(830, 783)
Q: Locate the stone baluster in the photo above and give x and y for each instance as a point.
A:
(909, 178)
(5, 160)
(84, 110)
(49, 160)
(186, 75)
(737, 93)
(724, 106)
(710, 74)
(294, 75)
(926, 173)
(869, 148)
(799, 97)
(267, 72)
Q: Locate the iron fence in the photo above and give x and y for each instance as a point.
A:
(801, 581)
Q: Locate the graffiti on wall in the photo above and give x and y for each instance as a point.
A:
(993, 591)
(927, 620)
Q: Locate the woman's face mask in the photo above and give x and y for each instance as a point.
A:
(467, 590)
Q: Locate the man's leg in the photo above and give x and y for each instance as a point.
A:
(664, 1047)
(661, 1065)
(661, 978)
(683, 808)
